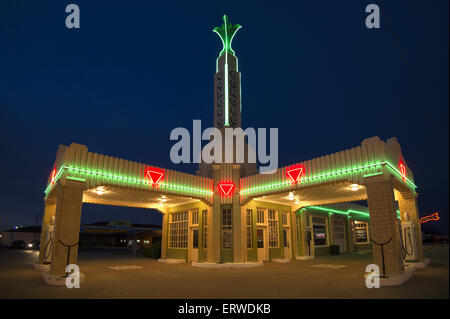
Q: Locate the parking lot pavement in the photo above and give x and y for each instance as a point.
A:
(151, 279)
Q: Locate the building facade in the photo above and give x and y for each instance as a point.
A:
(270, 234)
(228, 213)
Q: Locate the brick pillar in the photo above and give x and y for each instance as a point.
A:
(294, 236)
(407, 203)
(384, 224)
(165, 225)
(350, 235)
(67, 224)
(303, 237)
(238, 220)
(213, 249)
(49, 212)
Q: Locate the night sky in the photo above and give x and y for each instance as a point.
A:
(137, 69)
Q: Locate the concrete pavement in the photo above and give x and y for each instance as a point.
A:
(158, 280)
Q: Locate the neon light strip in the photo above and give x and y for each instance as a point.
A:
(226, 89)
(53, 183)
(76, 178)
(374, 174)
(348, 212)
(259, 188)
(173, 186)
(428, 218)
(399, 174)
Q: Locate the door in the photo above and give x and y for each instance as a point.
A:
(194, 248)
(287, 242)
(261, 244)
(339, 234)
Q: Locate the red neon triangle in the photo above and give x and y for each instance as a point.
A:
(295, 173)
(155, 177)
(226, 188)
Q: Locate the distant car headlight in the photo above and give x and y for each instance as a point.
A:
(30, 245)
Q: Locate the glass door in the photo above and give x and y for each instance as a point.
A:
(261, 244)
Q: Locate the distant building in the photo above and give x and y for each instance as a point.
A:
(101, 235)
(29, 234)
(91, 235)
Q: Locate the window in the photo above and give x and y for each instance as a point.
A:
(285, 239)
(361, 232)
(194, 220)
(178, 230)
(273, 228)
(260, 238)
(249, 228)
(195, 239)
(260, 216)
(338, 224)
(227, 238)
(285, 218)
(319, 230)
(205, 227)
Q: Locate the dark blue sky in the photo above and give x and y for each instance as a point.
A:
(137, 69)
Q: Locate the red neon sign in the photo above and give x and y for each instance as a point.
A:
(225, 188)
(428, 218)
(402, 167)
(154, 174)
(295, 173)
(53, 176)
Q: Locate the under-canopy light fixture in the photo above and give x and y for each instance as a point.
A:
(100, 190)
(226, 188)
(355, 187)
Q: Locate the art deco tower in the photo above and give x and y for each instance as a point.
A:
(227, 97)
(227, 80)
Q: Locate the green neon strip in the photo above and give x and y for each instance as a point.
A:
(347, 213)
(126, 179)
(374, 174)
(76, 178)
(285, 183)
(226, 32)
(395, 170)
(56, 178)
(226, 93)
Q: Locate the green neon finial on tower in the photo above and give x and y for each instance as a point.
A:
(226, 33)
